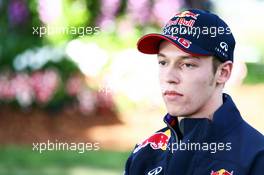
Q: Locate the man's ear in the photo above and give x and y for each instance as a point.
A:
(224, 72)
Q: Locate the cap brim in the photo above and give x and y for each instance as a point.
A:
(149, 44)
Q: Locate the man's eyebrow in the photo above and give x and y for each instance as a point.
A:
(181, 57)
(161, 55)
(190, 57)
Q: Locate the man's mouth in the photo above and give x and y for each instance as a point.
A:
(172, 93)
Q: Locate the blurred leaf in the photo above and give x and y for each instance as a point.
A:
(255, 73)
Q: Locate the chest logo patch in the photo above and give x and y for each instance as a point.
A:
(155, 171)
(157, 141)
(221, 172)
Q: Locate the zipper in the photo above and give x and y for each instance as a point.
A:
(172, 141)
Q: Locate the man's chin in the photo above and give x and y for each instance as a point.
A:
(181, 114)
(178, 113)
(174, 113)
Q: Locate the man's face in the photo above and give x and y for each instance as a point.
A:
(187, 82)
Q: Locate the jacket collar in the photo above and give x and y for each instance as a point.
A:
(225, 118)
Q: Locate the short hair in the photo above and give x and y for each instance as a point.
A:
(216, 62)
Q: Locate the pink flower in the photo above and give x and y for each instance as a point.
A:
(44, 85)
(87, 101)
(74, 85)
(163, 10)
(23, 89)
(49, 11)
(7, 89)
(108, 10)
(139, 10)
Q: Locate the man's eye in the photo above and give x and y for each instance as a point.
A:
(187, 65)
(162, 63)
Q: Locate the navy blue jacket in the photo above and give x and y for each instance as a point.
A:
(224, 145)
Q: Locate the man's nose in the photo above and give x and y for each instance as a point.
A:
(172, 76)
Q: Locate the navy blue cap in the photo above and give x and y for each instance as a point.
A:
(198, 32)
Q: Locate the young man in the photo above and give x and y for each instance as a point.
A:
(195, 54)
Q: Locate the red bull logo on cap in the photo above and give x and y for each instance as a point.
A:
(157, 141)
(222, 172)
(187, 14)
